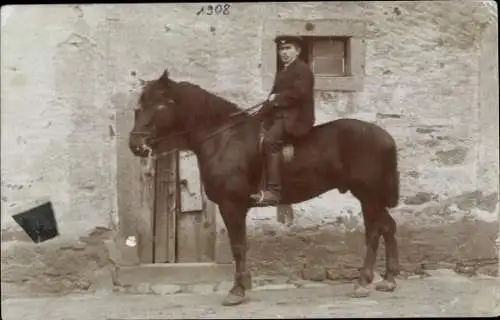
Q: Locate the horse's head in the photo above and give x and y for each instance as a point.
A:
(154, 117)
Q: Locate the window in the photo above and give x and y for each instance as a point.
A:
(336, 57)
(328, 56)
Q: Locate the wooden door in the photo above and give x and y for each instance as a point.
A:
(195, 222)
(184, 225)
(166, 209)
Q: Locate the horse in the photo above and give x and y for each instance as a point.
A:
(346, 154)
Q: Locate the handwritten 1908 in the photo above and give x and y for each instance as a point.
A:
(218, 9)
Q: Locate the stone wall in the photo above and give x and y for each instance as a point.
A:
(73, 72)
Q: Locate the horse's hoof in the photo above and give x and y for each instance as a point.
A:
(385, 286)
(232, 300)
(360, 291)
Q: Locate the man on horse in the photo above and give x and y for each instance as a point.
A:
(289, 110)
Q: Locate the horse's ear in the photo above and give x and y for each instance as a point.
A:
(164, 76)
(142, 82)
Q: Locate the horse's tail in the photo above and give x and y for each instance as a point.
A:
(391, 177)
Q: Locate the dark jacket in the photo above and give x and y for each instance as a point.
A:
(294, 101)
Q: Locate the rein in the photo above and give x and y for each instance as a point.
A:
(152, 157)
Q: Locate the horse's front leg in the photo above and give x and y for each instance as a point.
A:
(234, 217)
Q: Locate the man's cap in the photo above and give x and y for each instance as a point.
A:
(286, 39)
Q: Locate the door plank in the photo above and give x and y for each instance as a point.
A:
(165, 209)
(146, 215)
(172, 208)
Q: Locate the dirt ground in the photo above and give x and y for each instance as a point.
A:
(444, 293)
(466, 246)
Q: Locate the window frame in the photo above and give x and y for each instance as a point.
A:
(352, 30)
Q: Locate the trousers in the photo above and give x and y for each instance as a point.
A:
(273, 136)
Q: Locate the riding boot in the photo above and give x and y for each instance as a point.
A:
(271, 196)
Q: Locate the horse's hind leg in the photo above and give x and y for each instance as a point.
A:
(391, 253)
(372, 236)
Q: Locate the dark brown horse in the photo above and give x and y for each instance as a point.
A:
(346, 154)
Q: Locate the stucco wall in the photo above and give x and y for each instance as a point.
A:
(57, 139)
(67, 74)
(488, 146)
(487, 161)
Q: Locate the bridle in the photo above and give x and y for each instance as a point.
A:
(152, 157)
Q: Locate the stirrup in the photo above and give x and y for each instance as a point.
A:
(261, 197)
(261, 201)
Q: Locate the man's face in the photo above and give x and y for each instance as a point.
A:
(288, 52)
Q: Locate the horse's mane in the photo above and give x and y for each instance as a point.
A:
(199, 104)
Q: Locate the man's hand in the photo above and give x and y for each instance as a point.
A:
(272, 100)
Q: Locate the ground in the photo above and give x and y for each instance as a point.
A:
(442, 293)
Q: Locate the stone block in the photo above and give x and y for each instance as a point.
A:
(268, 287)
(142, 288)
(419, 198)
(452, 157)
(166, 289)
(314, 273)
(178, 274)
(202, 288)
